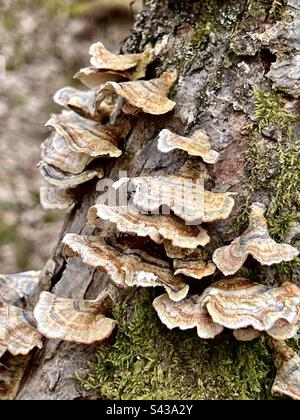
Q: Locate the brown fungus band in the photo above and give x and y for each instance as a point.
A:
(239, 303)
(184, 195)
(18, 333)
(196, 145)
(128, 268)
(148, 96)
(106, 66)
(79, 321)
(255, 241)
(160, 228)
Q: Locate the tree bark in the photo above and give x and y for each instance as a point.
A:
(221, 52)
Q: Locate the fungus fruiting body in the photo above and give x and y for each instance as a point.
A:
(148, 96)
(14, 287)
(80, 321)
(196, 268)
(129, 268)
(157, 227)
(238, 304)
(18, 333)
(106, 66)
(65, 180)
(287, 362)
(182, 194)
(56, 198)
(197, 145)
(255, 241)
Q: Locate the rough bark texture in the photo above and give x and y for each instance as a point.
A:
(221, 51)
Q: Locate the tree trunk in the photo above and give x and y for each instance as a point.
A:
(231, 57)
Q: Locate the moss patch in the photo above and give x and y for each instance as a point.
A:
(274, 166)
(147, 361)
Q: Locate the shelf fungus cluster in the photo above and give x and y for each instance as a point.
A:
(21, 329)
(168, 210)
(239, 304)
(126, 267)
(181, 194)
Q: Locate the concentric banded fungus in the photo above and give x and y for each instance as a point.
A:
(81, 103)
(176, 251)
(56, 152)
(145, 271)
(197, 145)
(188, 313)
(194, 268)
(149, 96)
(87, 137)
(107, 66)
(67, 180)
(239, 303)
(14, 287)
(157, 227)
(96, 253)
(246, 334)
(255, 241)
(287, 362)
(132, 268)
(55, 198)
(183, 195)
(79, 321)
(17, 331)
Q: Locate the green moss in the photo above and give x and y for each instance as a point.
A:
(147, 361)
(8, 234)
(269, 109)
(276, 10)
(240, 222)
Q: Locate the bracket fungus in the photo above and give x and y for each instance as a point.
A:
(186, 314)
(106, 66)
(196, 145)
(55, 198)
(287, 362)
(18, 333)
(182, 194)
(88, 137)
(79, 321)
(239, 303)
(55, 151)
(196, 268)
(65, 180)
(14, 287)
(157, 227)
(129, 268)
(255, 241)
(149, 96)
(81, 102)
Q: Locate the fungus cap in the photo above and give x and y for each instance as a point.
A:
(196, 145)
